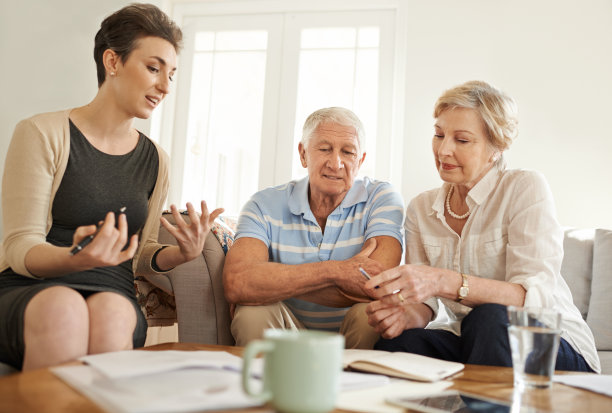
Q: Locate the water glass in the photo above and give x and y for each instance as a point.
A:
(534, 335)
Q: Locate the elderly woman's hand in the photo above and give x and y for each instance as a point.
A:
(405, 284)
(190, 237)
(387, 320)
(391, 320)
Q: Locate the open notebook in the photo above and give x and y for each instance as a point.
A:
(403, 365)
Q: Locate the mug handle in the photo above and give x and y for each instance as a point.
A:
(252, 350)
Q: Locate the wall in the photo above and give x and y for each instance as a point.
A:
(554, 57)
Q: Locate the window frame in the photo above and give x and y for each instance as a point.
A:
(167, 124)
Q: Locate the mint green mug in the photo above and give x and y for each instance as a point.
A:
(301, 369)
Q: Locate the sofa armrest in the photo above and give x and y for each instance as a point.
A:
(201, 308)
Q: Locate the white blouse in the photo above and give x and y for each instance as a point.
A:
(511, 235)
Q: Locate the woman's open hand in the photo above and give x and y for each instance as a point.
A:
(190, 237)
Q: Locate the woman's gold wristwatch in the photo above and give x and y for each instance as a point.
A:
(464, 290)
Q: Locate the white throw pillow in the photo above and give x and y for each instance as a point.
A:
(600, 307)
(577, 267)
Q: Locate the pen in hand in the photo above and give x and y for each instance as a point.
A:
(369, 277)
(365, 274)
(85, 241)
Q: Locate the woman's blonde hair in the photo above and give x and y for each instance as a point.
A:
(497, 110)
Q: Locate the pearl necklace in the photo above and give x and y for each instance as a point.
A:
(448, 208)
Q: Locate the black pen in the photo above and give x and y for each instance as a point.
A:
(85, 241)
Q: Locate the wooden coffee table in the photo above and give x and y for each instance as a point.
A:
(41, 391)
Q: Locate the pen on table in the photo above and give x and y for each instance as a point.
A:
(365, 274)
(85, 241)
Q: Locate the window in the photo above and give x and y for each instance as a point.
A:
(246, 83)
(352, 52)
(224, 120)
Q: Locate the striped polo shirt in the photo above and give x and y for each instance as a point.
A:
(281, 217)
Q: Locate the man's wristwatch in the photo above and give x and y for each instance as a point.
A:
(464, 290)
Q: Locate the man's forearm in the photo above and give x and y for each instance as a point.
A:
(269, 282)
(254, 281)
(331, 297)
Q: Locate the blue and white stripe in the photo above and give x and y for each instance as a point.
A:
(282, 219)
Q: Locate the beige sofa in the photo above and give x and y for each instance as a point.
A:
(193, 292)
(587, 268)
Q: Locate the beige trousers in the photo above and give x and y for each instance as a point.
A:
(250, 321)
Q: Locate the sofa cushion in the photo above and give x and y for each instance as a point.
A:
(605, 358)
(577, 267)
(600, 306)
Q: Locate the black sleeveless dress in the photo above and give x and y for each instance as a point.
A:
(93, 184)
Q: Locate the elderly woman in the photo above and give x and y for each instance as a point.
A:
(295, 263)
(487, 239)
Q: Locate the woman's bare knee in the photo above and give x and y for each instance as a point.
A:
(56, 327)
(112, 320)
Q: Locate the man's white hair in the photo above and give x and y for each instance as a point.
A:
(336, 115)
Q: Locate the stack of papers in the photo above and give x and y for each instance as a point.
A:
(139, 381)
(160, 381)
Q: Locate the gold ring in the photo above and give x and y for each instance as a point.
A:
(400, 297)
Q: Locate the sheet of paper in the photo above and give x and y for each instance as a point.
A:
(350, 380)
(121, 364)
(372, 400)
(599, 383)
(180, 381)
(188, 389)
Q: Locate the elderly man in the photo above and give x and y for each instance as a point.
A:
(299, 246)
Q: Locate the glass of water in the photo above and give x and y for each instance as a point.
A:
(534, 335)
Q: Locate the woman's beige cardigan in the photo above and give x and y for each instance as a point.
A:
(33, 170)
